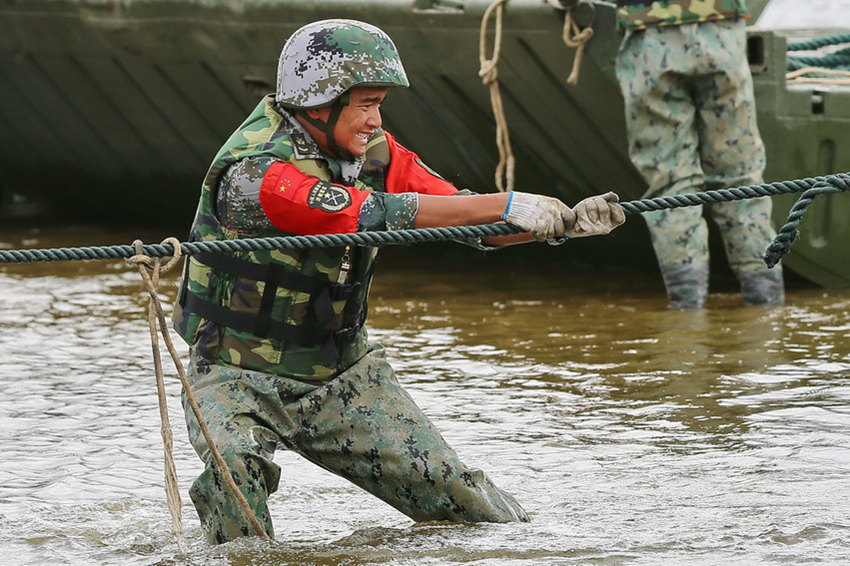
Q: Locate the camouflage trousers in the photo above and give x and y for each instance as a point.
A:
(691, 124)
(362, 425)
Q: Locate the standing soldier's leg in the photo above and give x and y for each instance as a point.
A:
(365, 427)
(680, 241)
(654, 69)
(733, 155)
(747, 232)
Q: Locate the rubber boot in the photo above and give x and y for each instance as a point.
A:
(763, 287)
(687, 287)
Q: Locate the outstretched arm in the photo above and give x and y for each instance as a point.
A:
(266, 190)
(469, 210)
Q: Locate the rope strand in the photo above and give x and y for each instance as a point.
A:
(156, 314)
(838, 181)
(151, 280)
(489, 73)
(575, 37)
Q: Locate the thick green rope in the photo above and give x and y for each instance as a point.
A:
(837, 60)
(377, 239)
(781, 245)
(814, 44)
(810, 187)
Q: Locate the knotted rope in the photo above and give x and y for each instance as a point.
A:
(575, 37)
(489, 73)
(150, 270)
(818, 185)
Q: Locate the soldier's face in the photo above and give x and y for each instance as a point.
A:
(358, 120)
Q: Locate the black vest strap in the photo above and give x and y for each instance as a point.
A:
(320, 328)
(239, 321)
(275, 274)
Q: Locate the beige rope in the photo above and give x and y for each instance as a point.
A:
(799, 76)
(156, 314)
(172, 492)
(573, 36)
(577, 38)
(490, 76)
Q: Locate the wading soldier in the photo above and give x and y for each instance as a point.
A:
(279, 355)
(691, 123)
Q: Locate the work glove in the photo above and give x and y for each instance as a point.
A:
(594, 216)
(541, 216)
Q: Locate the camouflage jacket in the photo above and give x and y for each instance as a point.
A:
(297, 313)
(641, 14)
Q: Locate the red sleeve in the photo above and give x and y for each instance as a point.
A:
(408, 174)
(300, 204)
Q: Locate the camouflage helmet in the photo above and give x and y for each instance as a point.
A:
(322, 60)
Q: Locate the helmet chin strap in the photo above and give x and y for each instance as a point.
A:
(328, 127)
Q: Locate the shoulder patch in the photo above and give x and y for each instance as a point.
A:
(428, 169)
(328, 197)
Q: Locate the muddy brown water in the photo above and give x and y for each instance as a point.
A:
(632, 434)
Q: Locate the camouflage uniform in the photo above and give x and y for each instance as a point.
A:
(279, 352)
(362, 425)
(641, 14)
(691, 122)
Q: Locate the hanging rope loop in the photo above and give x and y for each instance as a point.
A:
(575, 37)
(489, 73)
(150, 270)
(786, 236)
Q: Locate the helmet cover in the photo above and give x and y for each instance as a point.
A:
(324, 59)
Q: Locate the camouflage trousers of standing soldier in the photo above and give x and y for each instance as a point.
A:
(362, 425)
(691, 123)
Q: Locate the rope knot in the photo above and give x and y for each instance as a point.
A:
(489, 72)
(575, 37)
(142, 259)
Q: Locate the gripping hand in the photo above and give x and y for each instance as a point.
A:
(541, 216)
(594, 216)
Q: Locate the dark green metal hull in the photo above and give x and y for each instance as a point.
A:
(112, 111)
